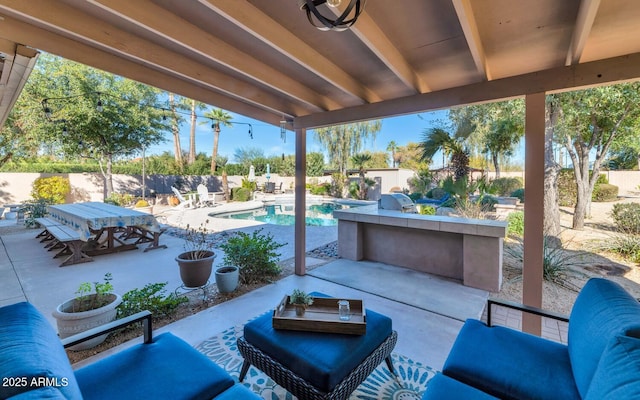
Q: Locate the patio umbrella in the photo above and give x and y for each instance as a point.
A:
(252, 174)
(268, 176)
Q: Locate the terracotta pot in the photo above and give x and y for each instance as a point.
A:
(70, 323)
(195, 272)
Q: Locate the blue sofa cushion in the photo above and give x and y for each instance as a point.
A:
(31, 349)
(237, 392)
(618, 372)
(43, 393)
(602, 310)
(318, 358)
(510, 364)
(168, 368)
(442, 387)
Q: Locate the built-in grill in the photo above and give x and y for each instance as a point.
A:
(397, 201)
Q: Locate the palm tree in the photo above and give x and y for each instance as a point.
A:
(219, 117)
(175, 129)
(436, 139)
(222, 162)
(392, 147)
(359, 160)
(193, 105)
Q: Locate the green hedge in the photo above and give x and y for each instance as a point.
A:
(605, 192)
(505, 186)
(240, 194)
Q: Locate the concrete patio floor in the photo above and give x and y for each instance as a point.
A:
(427, 311)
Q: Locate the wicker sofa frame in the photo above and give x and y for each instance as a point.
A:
(302, 389)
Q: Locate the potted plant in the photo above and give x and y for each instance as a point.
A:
(300, 300)
(94, 305)
(253, 256)
(196, 261)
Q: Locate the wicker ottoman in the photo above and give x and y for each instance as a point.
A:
(312, 365)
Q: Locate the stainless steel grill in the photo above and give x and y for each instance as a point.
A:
(398, 202)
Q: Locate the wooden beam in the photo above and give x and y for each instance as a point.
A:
(84, 28)
(594, 73)
(160, 21)
(582, 28)
(377, 41)
(255, 22)
(472, 35)
(533, 222)
(48, 41)
(300, 227)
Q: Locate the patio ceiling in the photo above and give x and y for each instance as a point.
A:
(262, 58)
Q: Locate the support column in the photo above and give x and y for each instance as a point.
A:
(533, 210)
(300, 240)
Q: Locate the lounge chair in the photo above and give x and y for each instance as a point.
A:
(205, 198)
(183, 202)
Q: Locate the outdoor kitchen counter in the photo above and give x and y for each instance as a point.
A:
(469, 250)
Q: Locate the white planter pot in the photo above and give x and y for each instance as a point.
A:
(227, 279)
(71, 323)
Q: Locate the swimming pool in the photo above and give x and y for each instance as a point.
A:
(318, 214)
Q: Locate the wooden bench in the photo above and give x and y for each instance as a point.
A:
(72, 245)
(46, 223)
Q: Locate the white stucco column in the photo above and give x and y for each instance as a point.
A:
(534, 209)
(300, 240)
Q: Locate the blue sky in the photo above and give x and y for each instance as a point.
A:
(403, 129)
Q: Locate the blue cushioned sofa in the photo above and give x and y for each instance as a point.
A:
(34, 365)
(600, 361)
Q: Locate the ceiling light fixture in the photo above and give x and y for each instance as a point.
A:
(349, 16)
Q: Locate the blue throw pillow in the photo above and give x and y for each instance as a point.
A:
(618, 372)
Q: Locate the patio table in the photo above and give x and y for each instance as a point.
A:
(97, 223)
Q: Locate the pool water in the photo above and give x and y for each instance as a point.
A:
(284, 214)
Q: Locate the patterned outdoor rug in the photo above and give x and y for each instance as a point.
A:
(380, 385)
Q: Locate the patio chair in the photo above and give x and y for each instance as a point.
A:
(183, 202)
(205, 198)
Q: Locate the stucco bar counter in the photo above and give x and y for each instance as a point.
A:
(468, 250)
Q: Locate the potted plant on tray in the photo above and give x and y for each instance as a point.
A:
(196, 261)
(94, 305)
(300, 300)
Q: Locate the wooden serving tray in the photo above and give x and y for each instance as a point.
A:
(321, 316)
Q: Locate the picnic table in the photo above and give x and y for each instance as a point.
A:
(105, 227)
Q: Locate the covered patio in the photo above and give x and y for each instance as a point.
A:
(266, 61)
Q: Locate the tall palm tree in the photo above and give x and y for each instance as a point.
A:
(220, 117)
(193, 105)
(175, 129)
(392, 147)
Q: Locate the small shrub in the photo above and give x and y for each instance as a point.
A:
(142, 203)
(627, 245)
(519, 193)
(626, 217)
(505, 186)
(415, 196)
(34, 209)
(515, 223)
(321, 189)
(427, 210)
(151, 297)
(436, 193)
(254, 254)
(240, 194)
(119, 199)
(53, 189)
(487, 203)
(556, 259)
(604, 192)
